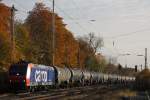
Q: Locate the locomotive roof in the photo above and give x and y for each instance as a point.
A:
(42, 66)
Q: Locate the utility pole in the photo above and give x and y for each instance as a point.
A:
(145, 58)
(141, 67)
(113, 43)
(12, 30)
(53, 33)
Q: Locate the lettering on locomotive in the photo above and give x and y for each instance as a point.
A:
(40, 76)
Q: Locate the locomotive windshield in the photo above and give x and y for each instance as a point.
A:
(18, 69)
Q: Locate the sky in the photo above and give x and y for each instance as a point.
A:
(124, 22)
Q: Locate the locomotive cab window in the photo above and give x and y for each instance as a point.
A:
(18, 69)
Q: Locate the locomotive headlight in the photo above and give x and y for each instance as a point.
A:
(10, 81)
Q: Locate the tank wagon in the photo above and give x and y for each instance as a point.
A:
(95, 78)
(31, 77)
(62, 76)
(77, 77)
(87, 77)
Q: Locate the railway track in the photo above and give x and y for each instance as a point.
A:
(78, 92)
(57, 94)
(95, 92)
(145, 95)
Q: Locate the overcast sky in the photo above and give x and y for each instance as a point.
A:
(126, 22)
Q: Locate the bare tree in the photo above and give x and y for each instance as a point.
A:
(89, 45)
(94, 42)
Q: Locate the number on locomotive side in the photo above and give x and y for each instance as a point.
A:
(40, 76)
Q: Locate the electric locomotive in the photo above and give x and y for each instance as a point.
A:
(24, 75)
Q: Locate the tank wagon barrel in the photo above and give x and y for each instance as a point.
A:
(63, 76)
(77, 77)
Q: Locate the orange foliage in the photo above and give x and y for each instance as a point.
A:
(4, 35)
(39, 23)
(4, 19)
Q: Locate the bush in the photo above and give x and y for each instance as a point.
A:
(143, 80)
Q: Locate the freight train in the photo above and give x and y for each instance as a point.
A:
(32, 77)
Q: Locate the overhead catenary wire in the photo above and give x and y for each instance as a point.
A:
(74, 4)
(77, 23)
(21, 6)
(70, 17)
(81, 13)
(83, 28)
(73, 19)
(101, 6)
(90, 21)
(24, 10)
(127, 34)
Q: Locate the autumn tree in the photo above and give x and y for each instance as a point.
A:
(20, 38)
(39, 26)
(4, 51)
(83, 51)
(65, 45)
(39, 23)
(22, 42)
(4, 35)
